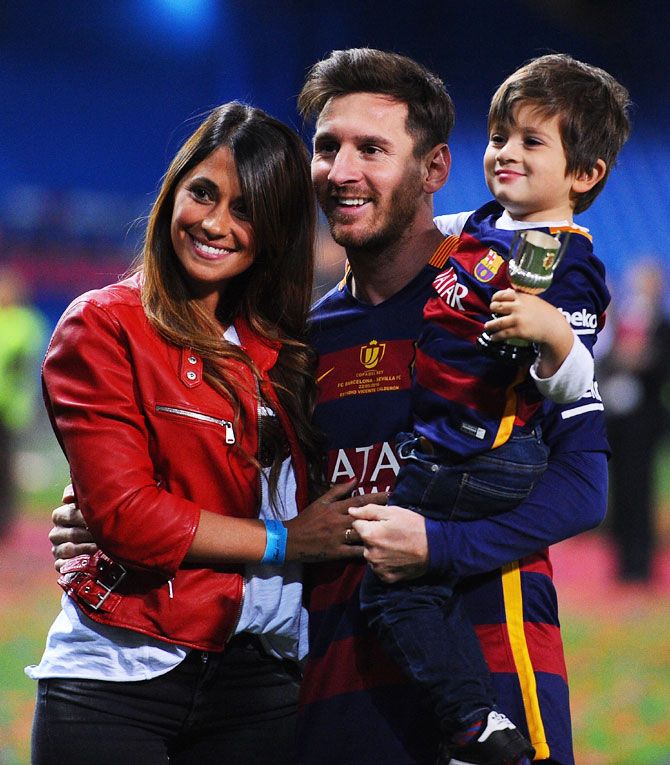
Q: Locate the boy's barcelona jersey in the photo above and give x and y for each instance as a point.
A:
(356, 707)
(463, 399)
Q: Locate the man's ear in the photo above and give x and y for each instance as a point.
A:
(436, 166)
(587, 180)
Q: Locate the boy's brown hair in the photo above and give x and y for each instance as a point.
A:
(592, 108)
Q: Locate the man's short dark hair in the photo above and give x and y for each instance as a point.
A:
(591, 105)
(366, 70)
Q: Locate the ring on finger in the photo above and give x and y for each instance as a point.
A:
(347, 537)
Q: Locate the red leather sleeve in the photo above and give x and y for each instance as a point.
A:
(92, 397)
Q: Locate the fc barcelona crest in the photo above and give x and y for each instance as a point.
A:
(372, 354)
(488, 266)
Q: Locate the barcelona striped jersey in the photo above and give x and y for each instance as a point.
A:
(463, 399)
(356, 705)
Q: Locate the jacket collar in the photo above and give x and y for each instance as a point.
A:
(264, 352)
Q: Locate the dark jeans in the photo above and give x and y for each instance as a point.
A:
(237, 707)
(422, 623)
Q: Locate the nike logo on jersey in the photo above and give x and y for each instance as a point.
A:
(325, 374)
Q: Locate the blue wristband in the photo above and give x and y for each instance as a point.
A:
(275, 547)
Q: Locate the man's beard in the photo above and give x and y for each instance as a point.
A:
(380, 234)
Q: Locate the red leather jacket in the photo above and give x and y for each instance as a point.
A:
(149, 444)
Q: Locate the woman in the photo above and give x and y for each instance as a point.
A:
(181, 397)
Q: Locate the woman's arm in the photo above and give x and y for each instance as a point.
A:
(317, 533)
(93, 399)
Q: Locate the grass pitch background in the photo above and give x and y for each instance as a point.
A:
(617, 637)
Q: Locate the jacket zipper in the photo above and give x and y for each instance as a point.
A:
(259, 411)
(230, 439)
(259, 414)
(226, 424)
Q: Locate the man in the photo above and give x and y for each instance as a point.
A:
(380, 154)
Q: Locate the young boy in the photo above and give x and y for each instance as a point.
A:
(555, 128)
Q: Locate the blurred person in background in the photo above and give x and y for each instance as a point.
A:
(23, 331)
(634, 375)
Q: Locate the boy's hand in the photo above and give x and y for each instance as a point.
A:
(528, 317)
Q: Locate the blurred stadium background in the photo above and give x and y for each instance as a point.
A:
(96, 97)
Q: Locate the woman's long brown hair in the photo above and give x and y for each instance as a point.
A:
(273, 295)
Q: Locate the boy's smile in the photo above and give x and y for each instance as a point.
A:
(525, 165)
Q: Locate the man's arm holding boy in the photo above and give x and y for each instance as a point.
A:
(570, 498)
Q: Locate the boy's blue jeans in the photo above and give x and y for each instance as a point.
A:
(422, 623)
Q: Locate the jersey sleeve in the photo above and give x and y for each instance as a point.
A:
(572, 379)
(571, 497)
(579, 290)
